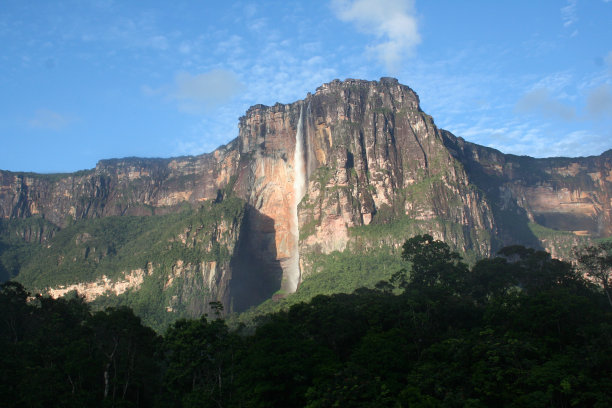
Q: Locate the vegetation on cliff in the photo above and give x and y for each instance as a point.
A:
(376, 167)
(152, 251)
(519, 330)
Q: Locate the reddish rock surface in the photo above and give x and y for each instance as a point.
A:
(372, 157)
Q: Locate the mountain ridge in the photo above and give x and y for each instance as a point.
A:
(375, 171)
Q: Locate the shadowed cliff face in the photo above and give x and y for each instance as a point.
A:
(368, 156)
(267, 181)
(571, 194)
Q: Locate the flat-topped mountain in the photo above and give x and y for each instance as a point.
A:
(355, 167)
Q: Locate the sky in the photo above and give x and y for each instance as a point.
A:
(82, 81)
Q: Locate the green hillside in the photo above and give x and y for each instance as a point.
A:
(89, 249)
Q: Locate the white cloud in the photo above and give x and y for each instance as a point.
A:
(576, 143)
(568, 13)
(231, 46)
(533, 139)
(599, 102)
(249, 10)
(159, 42)
(207, 134)
(207, 90)
(185, 48)
(392, 21)
(149, 91)
(257, 25)
(556, 82)
(46, 119)
(540, 101)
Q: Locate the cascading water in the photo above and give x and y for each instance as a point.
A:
(292, 272)
(309, 148)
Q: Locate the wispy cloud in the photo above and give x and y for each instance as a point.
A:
(150, 91)
(569, 16)
(257, 25)
(45, 119)
(199, 93)
(599, 102)
(576, 143)
(208, 133)
(281, 70)
(541, 102)
(568, 13)
(534, 138)
(204, 91)
(159, 42)
(393, 22)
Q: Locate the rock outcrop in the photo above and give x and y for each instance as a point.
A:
(353, 154)
(565, 194)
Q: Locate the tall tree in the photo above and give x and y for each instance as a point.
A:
(200, 362)
(126, 350)
(433, 263)
(596, 262)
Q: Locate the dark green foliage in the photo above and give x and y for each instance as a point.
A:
(536, 270)
(389, 227)
(521, 330)
(200, 363)
(596, 261)
(55, 353)
(125, 350)
(338, 272)
(278, 364)
(20, 239)
(433, 263)
(89, 249)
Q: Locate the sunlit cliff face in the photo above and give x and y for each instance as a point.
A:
(291, 274)
(313, 172)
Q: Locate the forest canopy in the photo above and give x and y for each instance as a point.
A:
(519, 330)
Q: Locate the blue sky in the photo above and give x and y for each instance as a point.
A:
(82, 81)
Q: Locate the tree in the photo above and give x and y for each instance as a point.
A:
(126, 348)
(491, 278)
(537, 270)
(433, 263)
(13, 310)
(200, 362)
(596, 262)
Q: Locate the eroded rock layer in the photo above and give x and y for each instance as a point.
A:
(368, 157)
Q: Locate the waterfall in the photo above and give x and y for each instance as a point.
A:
(292, 277)
(310, 154)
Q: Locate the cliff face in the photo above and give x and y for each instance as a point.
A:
(380, 158)
(163, 266)
(354, 156)
(562, 194)
(131, 186)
